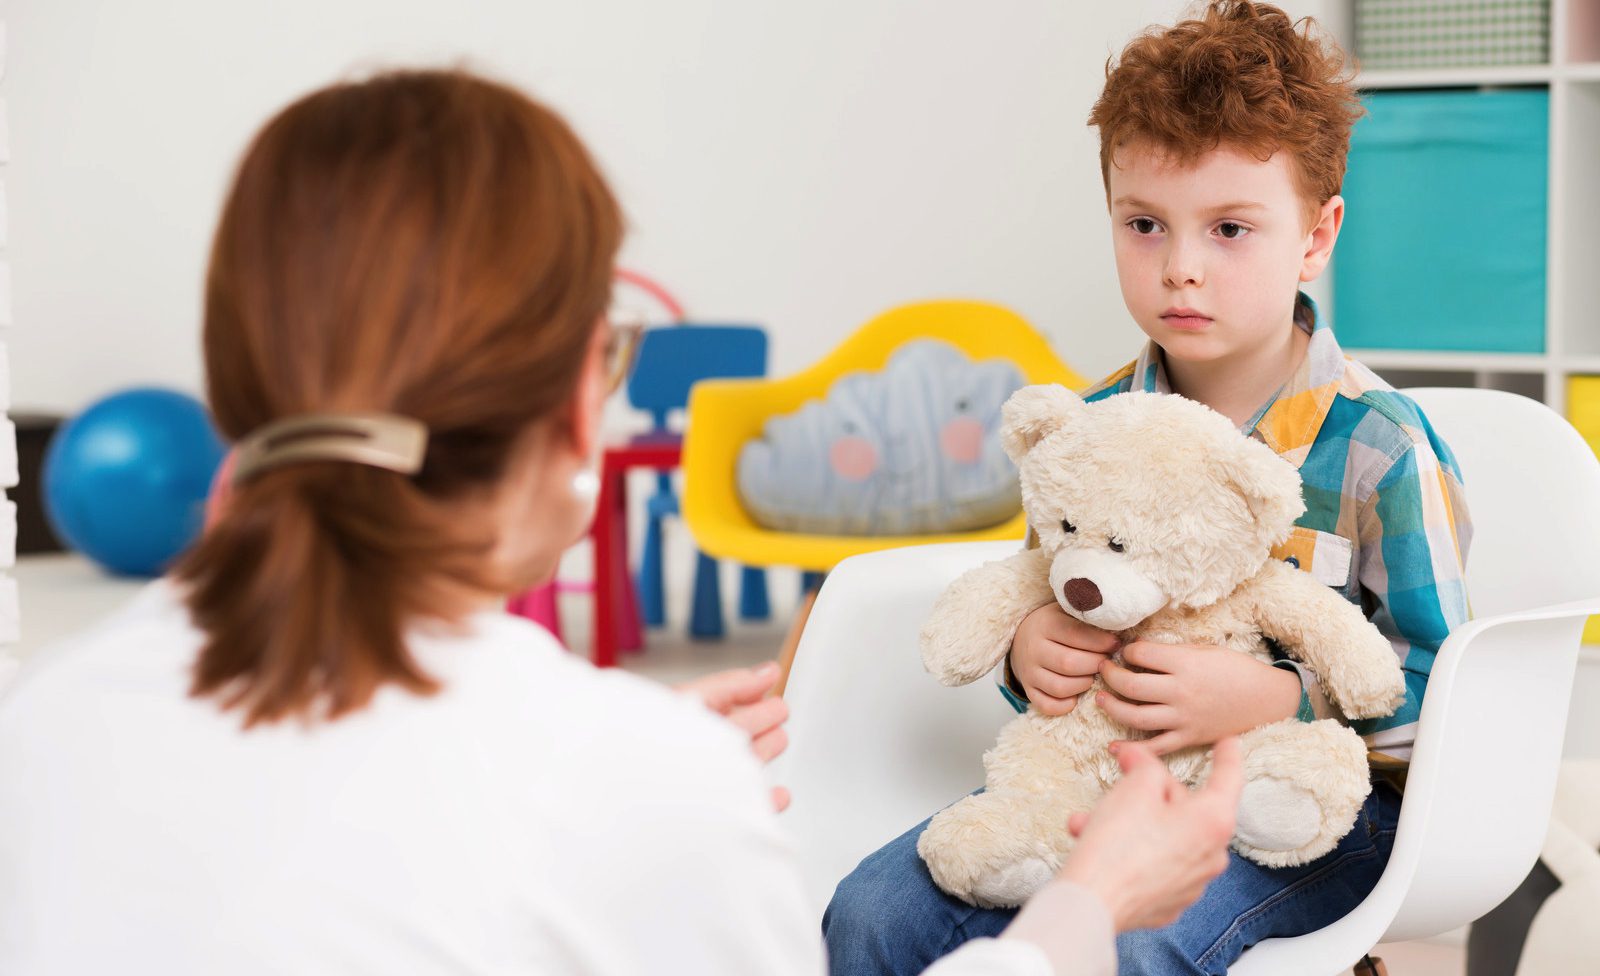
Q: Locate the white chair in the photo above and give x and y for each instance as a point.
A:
(877, 744)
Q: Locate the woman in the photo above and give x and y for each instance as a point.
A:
(319, 746)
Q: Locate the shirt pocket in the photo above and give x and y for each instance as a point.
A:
(1325, 555)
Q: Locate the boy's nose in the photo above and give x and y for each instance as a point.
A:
(1182, 268)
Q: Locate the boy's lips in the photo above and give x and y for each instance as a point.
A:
(1187, 319)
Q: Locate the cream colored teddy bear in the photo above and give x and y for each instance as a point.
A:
(1155, 519)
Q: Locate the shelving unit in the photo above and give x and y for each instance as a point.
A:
(1572, 231)
(1572, 316)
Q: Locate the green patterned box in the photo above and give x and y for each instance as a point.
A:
(1451, 33)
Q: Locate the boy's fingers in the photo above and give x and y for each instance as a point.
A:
(1049, 704)
(781, 798)
(1151, 656)
(1058, 685)
(1145, 718)
(1076, 633)
(1132, 685)
(1076, 662)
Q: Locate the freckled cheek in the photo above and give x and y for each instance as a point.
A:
(1139, 272)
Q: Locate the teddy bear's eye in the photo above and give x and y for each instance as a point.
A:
(1116, 546)
(1068, 527)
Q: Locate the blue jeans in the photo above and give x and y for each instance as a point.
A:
(888, 917)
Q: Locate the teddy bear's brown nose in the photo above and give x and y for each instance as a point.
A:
(1082, 594)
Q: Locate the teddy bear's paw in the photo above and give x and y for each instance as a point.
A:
(1012, 884)
(1376, 697)
(1277, 816)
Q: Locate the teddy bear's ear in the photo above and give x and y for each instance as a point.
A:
(1269, 485)
(1032, 413)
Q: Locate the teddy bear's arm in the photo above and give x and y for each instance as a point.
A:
(974, 620)
(1315, 625)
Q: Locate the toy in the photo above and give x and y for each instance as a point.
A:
(125, 482)
(1155, 519)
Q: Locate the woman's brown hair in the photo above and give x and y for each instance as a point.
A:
(427, 244)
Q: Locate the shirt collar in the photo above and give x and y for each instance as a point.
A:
(1289, 421)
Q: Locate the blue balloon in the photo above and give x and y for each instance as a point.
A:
(125, 482)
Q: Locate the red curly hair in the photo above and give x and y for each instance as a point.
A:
(1242, 74)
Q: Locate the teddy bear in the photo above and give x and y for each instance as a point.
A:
(1153, 517)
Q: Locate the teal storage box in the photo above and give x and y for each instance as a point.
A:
(1443, 244)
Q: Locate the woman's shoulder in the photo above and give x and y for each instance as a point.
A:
(518, 669)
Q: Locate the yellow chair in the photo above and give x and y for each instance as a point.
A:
(725, 414)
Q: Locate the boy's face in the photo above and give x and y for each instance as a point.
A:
(1211, 254)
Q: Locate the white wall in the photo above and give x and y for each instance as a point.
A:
(10, 609)
(803, 165)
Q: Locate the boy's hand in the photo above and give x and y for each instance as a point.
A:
(740, 696)
(1195, 694)
(1054, 657)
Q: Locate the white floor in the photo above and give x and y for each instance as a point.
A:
(61, 594)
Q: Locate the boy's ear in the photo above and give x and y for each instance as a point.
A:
(1321, 238)
(1032, 413)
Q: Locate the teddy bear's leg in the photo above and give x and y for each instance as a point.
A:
(996, 848)
(1304, 785)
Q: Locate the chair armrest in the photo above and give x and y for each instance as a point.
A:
(1495, 708)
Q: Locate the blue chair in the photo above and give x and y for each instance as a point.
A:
(671, 359)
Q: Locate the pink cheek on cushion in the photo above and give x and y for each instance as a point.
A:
(962, 440)
(853, 458)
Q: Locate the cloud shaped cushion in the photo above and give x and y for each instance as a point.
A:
(910, 450)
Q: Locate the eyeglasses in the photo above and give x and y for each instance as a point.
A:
(622, 347)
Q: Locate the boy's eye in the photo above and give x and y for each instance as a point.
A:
(1143, 225)
(1231, 231)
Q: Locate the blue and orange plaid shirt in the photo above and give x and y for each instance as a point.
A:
(1385, 522)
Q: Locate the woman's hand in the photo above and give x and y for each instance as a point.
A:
(1055, 657)
(1195, 694)
(1150, 847)
(740, 696)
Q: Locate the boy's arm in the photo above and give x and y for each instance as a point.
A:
(1414, 532)
(1329, 635)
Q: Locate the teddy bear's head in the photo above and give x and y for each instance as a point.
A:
(1144, 501)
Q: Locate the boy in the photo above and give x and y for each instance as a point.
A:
(1223, 145)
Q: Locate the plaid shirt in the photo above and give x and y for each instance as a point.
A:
(1385, 523)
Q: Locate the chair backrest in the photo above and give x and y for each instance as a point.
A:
(1532, 490)
(673, 358)
(878, 745)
